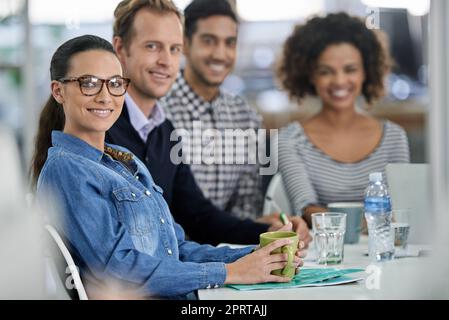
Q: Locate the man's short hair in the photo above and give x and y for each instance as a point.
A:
(127, 9)
(202, 9)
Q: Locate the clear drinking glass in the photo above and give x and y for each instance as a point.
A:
(400, 225)
(329, 232)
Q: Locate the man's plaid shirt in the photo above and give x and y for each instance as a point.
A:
(232, 187)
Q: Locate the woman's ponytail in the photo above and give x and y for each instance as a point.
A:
(51, 118)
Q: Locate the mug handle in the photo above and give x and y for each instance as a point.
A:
(287, 249)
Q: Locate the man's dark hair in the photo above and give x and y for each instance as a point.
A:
(202, 9)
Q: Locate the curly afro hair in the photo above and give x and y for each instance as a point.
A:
(304, 46)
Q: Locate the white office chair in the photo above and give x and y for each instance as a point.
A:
(66, 266)
(276, 198)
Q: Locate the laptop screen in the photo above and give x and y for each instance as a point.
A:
(409, 186)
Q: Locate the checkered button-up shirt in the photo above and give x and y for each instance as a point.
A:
(222, 166)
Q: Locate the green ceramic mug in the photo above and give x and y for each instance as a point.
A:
(268, 237)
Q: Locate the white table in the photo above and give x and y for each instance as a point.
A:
(397, 279)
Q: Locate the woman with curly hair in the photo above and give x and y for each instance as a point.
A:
(329, 157)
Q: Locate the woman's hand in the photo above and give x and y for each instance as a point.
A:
(308, 213)
(297, 224)
(301, 228)
(256, 267)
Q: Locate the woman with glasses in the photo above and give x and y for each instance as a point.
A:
(114, 216)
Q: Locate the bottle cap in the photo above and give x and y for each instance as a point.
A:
(375, 176)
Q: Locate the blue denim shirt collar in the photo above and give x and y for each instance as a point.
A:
(75, 145)
(119, 225)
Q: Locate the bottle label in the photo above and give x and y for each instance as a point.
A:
(377, 204)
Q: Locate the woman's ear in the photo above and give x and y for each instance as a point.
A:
(57, 91)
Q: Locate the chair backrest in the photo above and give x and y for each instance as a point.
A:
(276, 198)
(66, 266)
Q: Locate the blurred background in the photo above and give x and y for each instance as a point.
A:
(31, 30)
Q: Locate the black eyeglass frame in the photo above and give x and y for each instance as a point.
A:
(103, 81)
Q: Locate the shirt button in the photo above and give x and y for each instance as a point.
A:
(146, 159)
(137, 177)
(208, 286)
(169, 251)
(133, 194)
(162, 220)
(147, 192)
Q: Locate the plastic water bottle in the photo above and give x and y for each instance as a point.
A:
(378, 217)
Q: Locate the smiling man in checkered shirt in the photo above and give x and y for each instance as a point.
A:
(196, 104)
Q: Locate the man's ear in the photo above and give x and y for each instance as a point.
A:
(57, 91)
(119, 48)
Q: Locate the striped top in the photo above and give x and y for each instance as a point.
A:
(312, 177)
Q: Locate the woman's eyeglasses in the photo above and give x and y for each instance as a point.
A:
(91, 85)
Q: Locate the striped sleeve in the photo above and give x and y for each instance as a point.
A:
(294, 174)
(398, 144)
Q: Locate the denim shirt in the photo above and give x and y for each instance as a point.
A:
(119, 225)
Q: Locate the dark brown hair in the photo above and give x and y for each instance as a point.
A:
(127, 9)
(202, 9)
(304, 46)
(52, 115)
